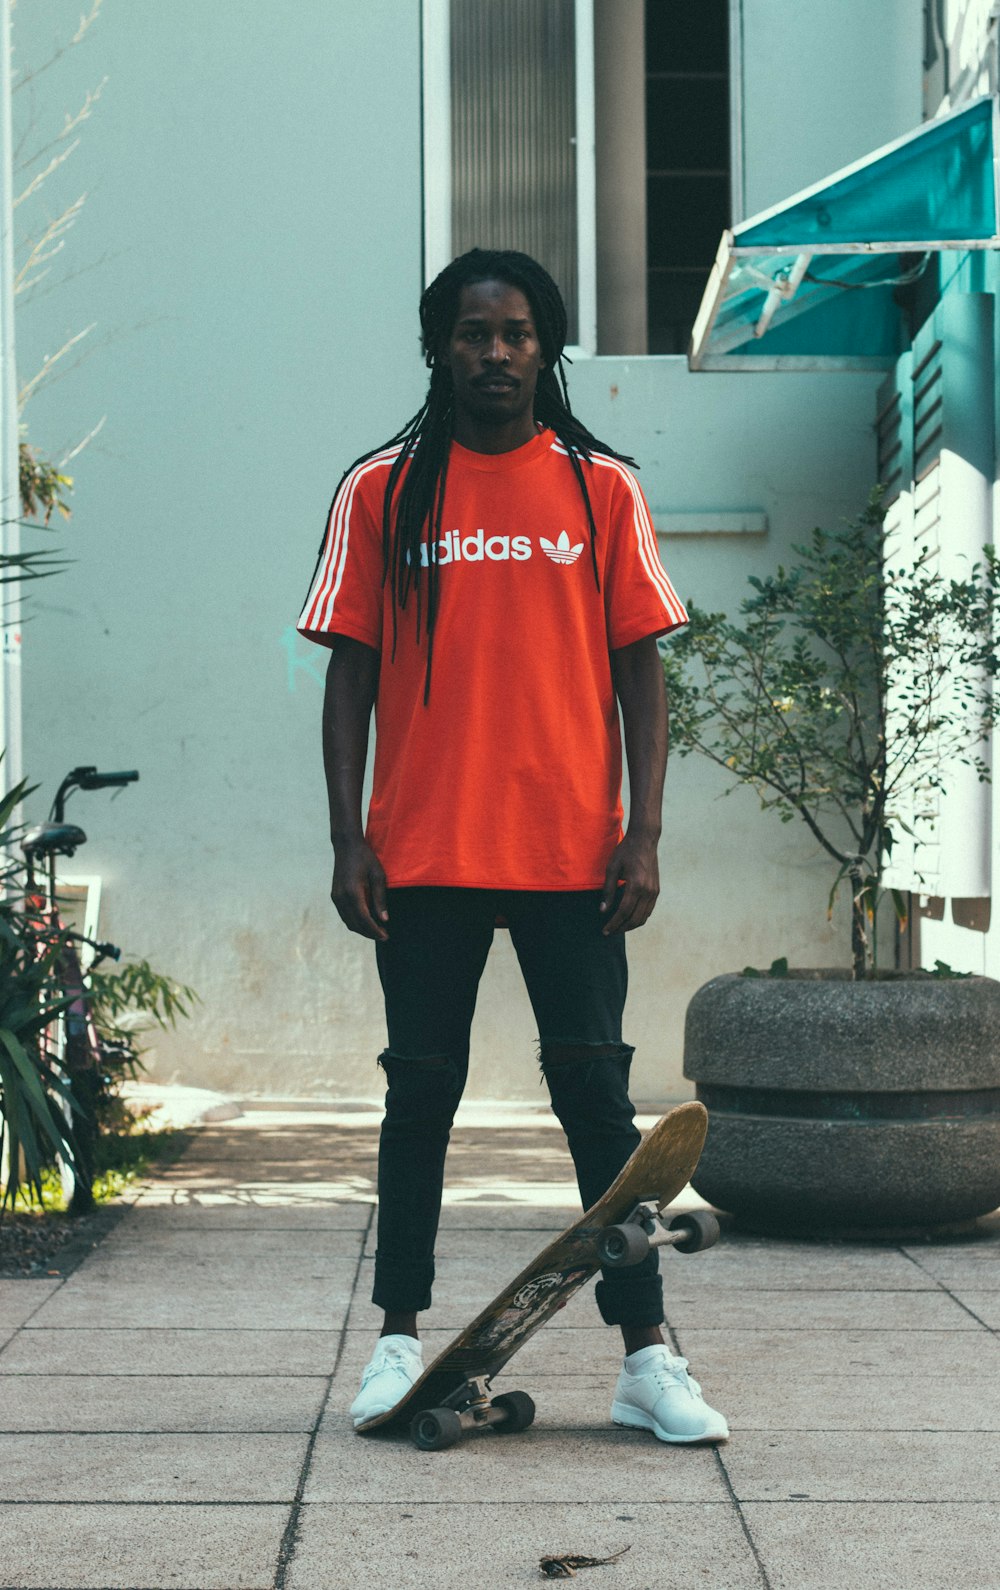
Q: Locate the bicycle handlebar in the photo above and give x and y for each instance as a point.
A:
(90, 778)
(87, 778)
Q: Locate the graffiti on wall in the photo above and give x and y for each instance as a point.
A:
(301, 658)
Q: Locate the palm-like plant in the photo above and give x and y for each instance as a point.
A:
(34, 1097)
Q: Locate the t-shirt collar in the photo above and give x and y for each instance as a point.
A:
(517, 458)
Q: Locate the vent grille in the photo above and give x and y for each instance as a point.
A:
(928, 412)
(890, 451)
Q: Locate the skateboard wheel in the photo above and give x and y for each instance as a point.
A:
(701, 1227)
(519, 1408)
(436, 1428)
(622, 1245)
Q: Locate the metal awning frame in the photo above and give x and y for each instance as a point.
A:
(779, 306)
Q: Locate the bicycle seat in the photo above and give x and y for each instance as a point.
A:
(46, 839)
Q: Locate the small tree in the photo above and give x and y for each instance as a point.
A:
(850, 682)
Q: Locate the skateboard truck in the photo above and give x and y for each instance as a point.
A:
(646, 1226)
(470, 1407)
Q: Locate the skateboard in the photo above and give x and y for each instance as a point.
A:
(452, 1395)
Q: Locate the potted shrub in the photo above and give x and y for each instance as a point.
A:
(859, 1097)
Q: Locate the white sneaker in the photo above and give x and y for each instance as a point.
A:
(394, 1366)
(655, 1392)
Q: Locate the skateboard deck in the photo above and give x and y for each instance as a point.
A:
(660, 1168)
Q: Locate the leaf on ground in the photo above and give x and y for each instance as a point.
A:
(565, 1567)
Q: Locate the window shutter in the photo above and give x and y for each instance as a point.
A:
(942, 395)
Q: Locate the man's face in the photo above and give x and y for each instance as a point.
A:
(494, 354)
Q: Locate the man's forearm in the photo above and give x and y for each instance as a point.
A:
(639, 685)
(351, 686)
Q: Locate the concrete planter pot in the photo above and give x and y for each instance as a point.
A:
(843, 1105)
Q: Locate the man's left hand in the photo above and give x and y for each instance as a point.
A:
(634, 860)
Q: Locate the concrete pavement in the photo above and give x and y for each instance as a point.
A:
(173, 1413)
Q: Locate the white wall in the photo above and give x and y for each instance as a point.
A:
(254, 230)
(823, 85)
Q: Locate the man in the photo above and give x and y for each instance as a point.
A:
(489, 582)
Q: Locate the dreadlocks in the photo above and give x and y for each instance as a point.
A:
(415, 507)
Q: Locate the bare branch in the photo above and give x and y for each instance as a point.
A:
(31, 387)
(78, 449)
(87, 21)
(70, 125)
(41, 250)
(36, 181)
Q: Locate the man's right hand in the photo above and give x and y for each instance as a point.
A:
(359, 890)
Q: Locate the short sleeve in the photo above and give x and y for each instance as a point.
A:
(638, 596)
(345, 594)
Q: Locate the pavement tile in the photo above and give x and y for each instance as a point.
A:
(173, 1211)
(865, 1466)
(494, 1255)
(292, 1168)
(486, 1216)
(277, 1145)
(37, 1351)
(209, 1246)
(189, 1301)
(169, 1403)
(115, 1548)
(274, 1185)
(602, 1464)
(877, 1387)
(924, 1546)
(772, 1266)
(985, 1305)
(19, 1299)
(792, 1352)
(979, 1275)
(821, 1310)
(450, 1547)
(936, 1401)
(151, 1468)
(272, 1196)
(274, 1274)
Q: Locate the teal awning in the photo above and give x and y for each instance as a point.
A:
(811, 282)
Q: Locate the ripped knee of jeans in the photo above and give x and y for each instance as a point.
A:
(417, 1072)
(552, 1056)
(420, 1061)
(576, 1069)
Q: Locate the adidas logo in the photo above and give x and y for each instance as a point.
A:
(561, 551)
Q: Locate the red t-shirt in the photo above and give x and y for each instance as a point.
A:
(510, 776)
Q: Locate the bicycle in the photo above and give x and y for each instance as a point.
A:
(70, 1044)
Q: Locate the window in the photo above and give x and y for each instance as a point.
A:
(513, 133)
(594, 134)
(687, 160)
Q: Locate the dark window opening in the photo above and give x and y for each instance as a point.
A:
(688, 200)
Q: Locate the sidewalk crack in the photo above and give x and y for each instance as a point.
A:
(727, 1482)
(290, 1538)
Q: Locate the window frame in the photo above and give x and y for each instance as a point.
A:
(435, 115)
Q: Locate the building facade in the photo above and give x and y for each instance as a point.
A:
(267, 195)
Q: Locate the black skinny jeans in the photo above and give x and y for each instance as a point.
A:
(576, 979)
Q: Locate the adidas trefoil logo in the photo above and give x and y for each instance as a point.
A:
(561, 551)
